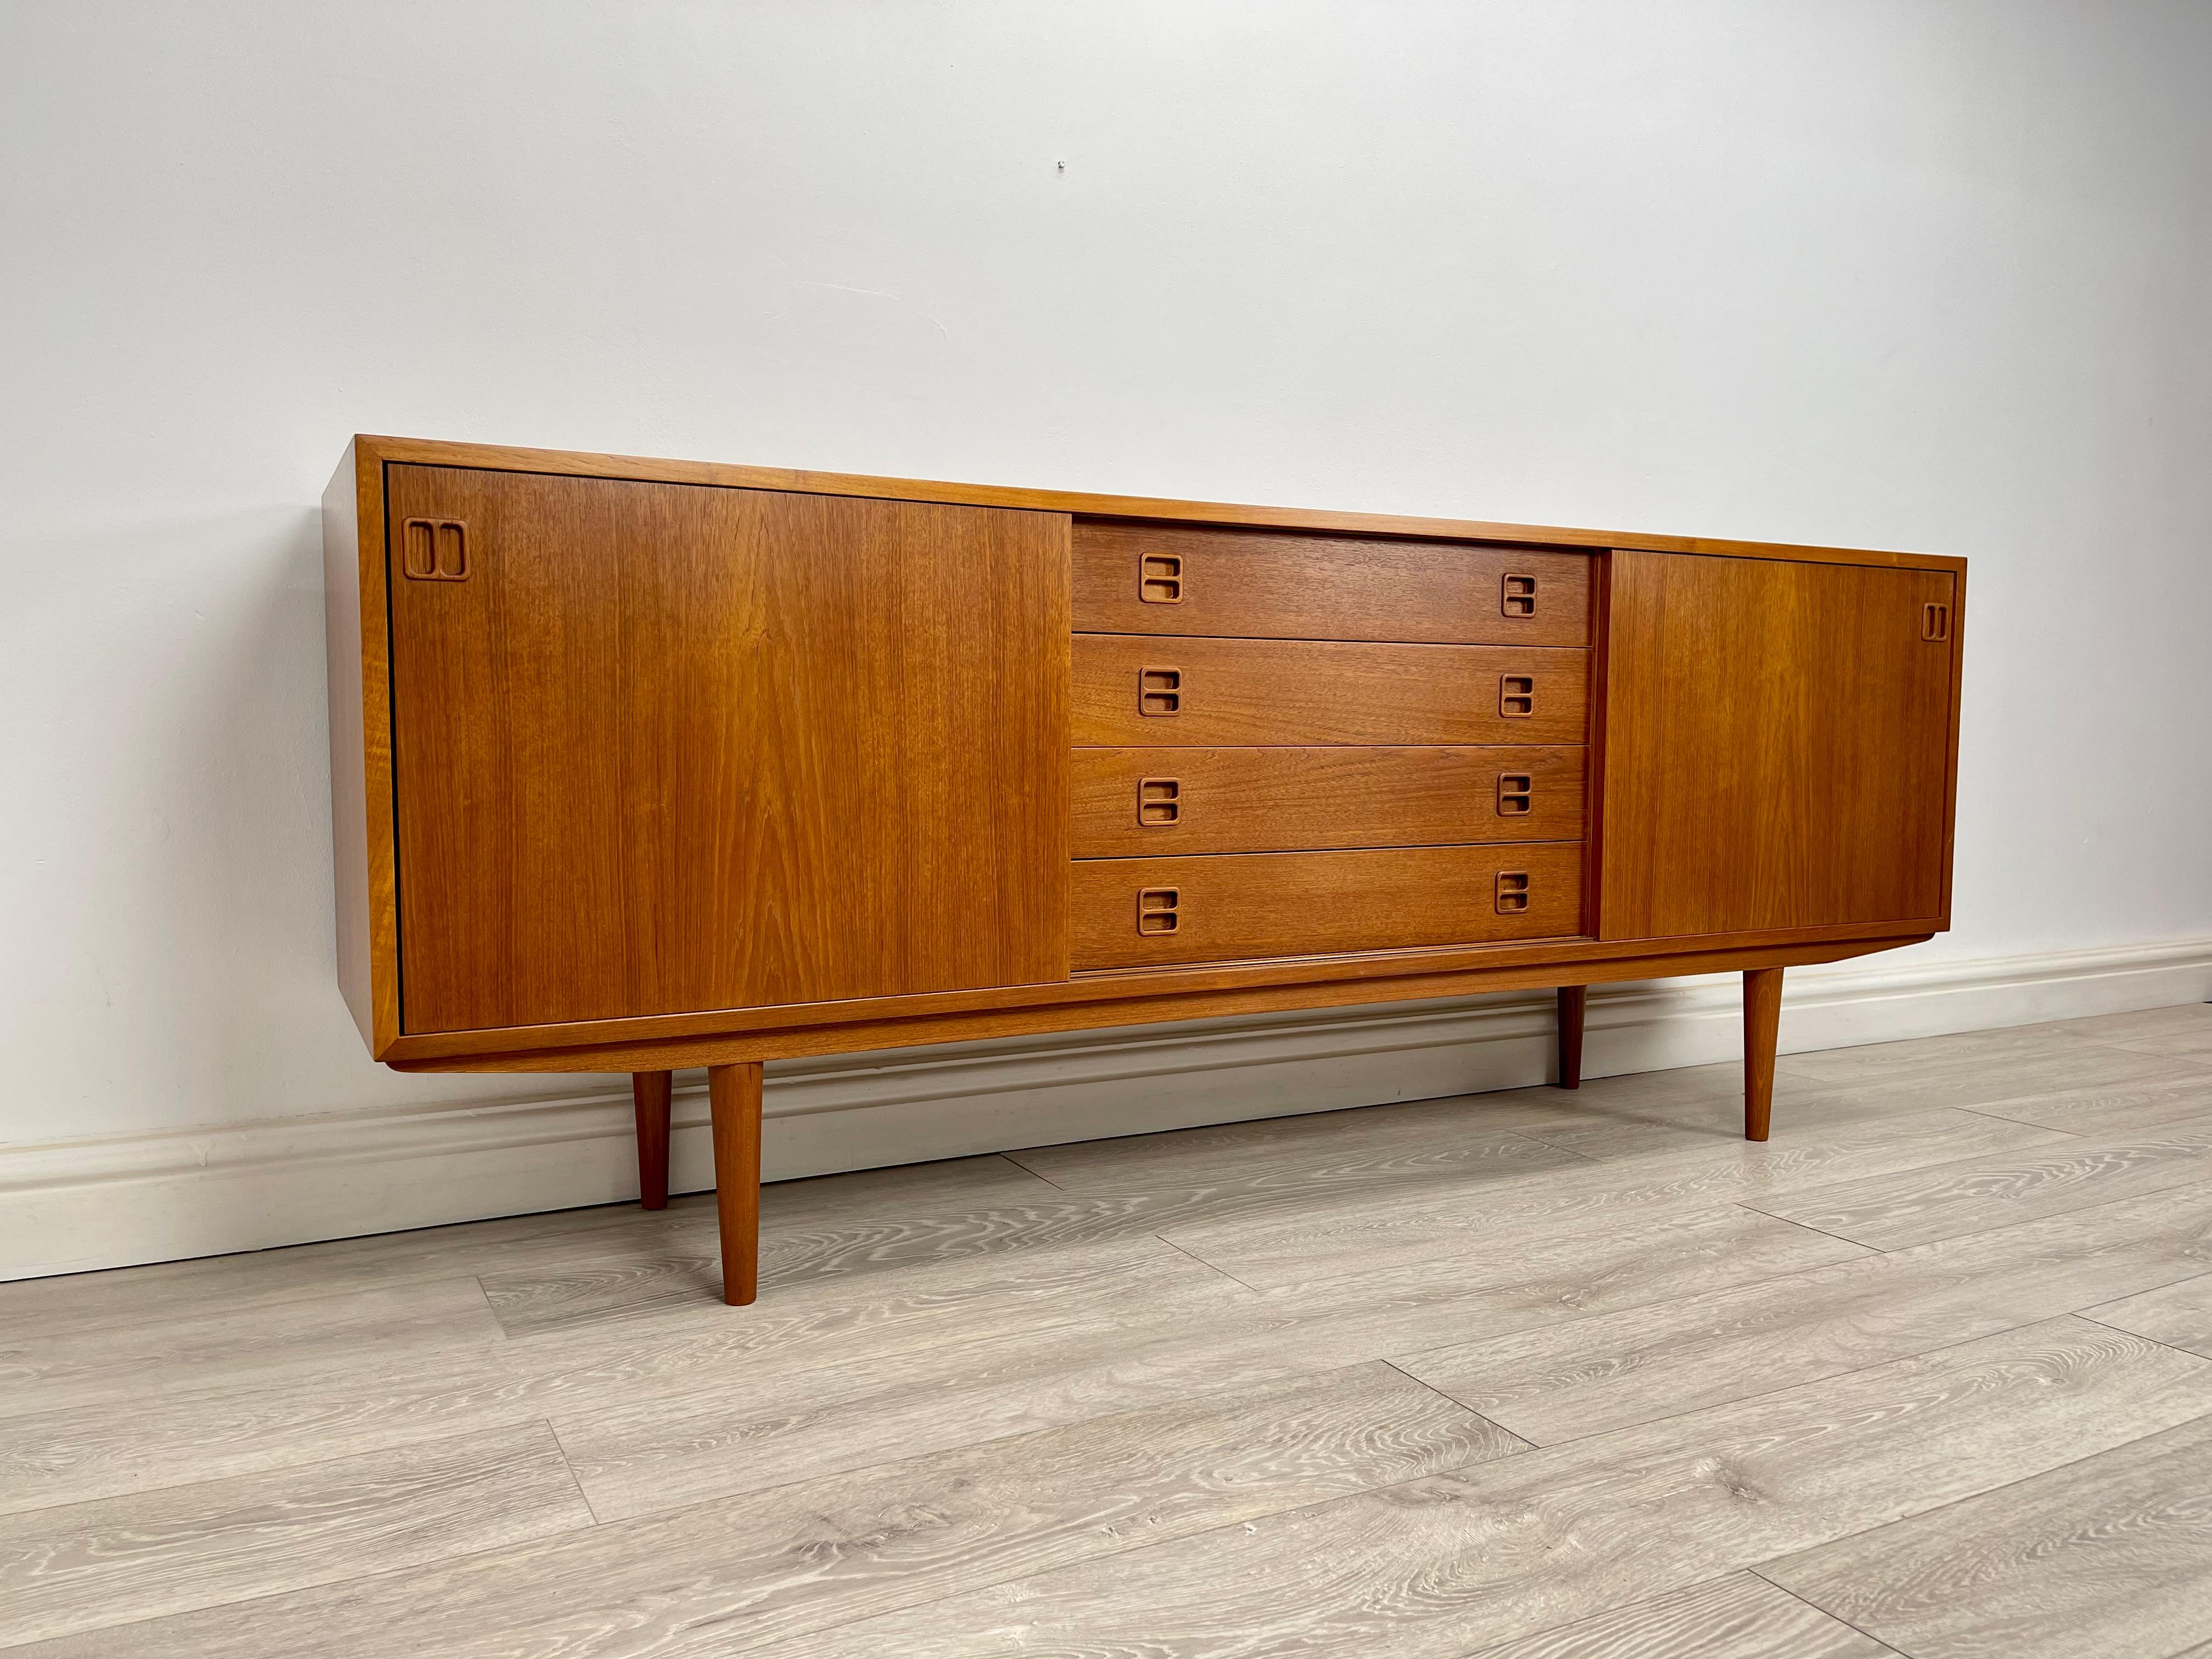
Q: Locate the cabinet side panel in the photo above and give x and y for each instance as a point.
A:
(668, 747)
(361, 780)
(1777, 746)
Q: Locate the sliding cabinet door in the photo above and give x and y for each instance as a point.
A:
(660, 747)
(1778, 742)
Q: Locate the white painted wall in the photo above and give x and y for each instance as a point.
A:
(1883, 272)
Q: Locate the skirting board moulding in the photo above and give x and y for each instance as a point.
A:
(69, 1206)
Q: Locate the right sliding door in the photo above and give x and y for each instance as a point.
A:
(1777, 745)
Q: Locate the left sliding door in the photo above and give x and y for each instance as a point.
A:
(662, 748)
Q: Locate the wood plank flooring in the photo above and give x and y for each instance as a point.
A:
(1520, 1376)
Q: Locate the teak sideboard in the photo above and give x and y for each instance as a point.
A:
(642, 764)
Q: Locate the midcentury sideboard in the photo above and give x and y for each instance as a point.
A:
(644, 764)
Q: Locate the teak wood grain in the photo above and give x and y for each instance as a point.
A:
(639, 765)
(512, 1045)
(1776, 750)
(1138, 578)
(670, 747)
(1268, 800)
(1312, 692)
(1262, 904)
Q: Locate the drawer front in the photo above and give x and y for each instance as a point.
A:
(1136, 912)
(1172, 578)
(1141, 803)
(1145, 692)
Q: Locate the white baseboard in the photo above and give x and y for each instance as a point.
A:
(72, 1205)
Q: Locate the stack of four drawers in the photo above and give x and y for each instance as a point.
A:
(1294, 744)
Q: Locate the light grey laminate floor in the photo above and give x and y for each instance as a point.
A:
(1525, 1376)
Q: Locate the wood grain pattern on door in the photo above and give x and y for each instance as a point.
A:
(1776, 742)
(670, 747)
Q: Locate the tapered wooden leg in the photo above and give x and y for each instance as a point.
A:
(649, 1093)
(733, 1094)
(1574, 1002)
(1762, 1020)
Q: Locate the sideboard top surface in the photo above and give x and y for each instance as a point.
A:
(508, 458)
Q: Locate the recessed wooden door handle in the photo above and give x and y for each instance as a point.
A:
(1158, 910)
(1159, 690)
(434, 550)
(1934, 622)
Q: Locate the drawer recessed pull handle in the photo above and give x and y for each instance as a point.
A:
(1934, 622)
(1159, 578)
(1517, 596)
(1156, 909)
(1516, 696)
(434, 550)
(1512, 892)
(1515, 793)
(1159, 802)
(1159, 690)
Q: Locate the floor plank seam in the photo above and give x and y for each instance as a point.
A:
(1982, 1108)
(1918, 1516)
(275, 1468)
(1526, 1445)
(2087, 1205)
(1987, 1108)
(1822, 1381)
(323, 1587)
(1807, 1226)
(491, 1307)
(1010, 1158)
(2170, 1347)
(1209, 1266)
(1631, 1307)
(1829, 1613)
(841, 1471)
(2171, 1283)
(1553, 1146)
(2189, 1061)
(569, 1465)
